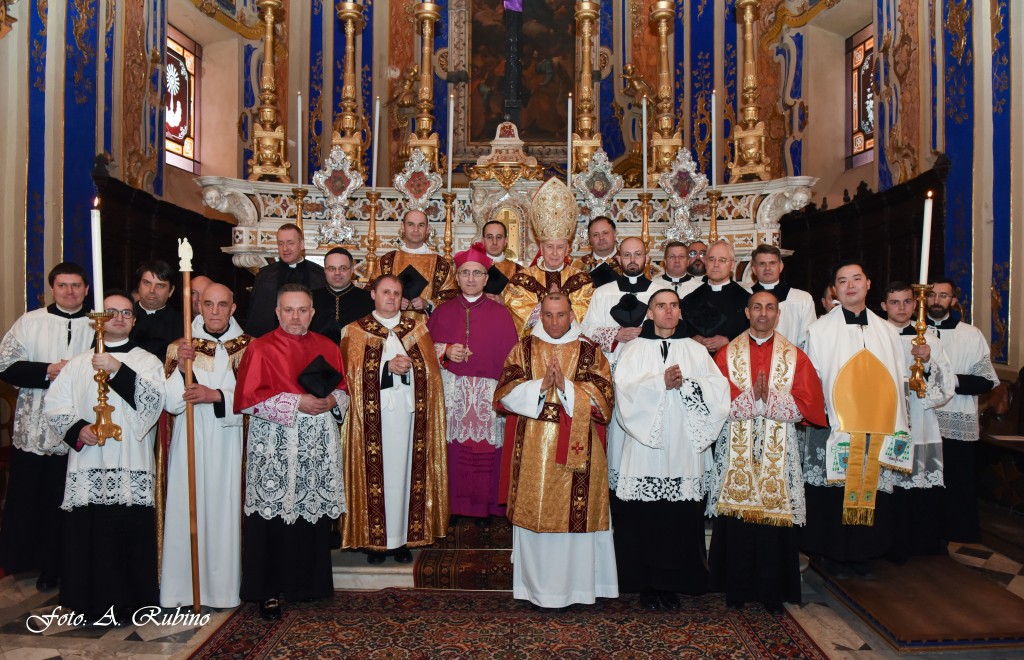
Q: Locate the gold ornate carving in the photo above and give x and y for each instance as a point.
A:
(351, 123)
(784, 18)
(248, 26)
(269, 158)
(996, 13)
(1000, 284)
(666, 141)
(6, 20)
(750, 160)
(585, 140)
(956, 22)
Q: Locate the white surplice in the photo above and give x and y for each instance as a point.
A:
(218, 465)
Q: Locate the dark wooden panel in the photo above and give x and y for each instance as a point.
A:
(881, 229)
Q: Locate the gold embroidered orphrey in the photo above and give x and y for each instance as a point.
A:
(755, 491)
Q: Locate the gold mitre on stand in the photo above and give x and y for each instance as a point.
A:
(553, 212)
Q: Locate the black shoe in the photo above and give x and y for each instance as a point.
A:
(403, 555)
(649, 600)
(375, 557)
(669, 600)
(270, 609)
(862, 570)
(47, 583)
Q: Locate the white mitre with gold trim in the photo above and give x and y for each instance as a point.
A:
(553, 212)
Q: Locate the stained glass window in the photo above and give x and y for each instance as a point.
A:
(860, 115)
(181, 101)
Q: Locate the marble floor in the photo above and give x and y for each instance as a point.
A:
(837, 630)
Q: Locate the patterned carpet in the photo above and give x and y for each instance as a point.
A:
(469, 557)
(397, 623)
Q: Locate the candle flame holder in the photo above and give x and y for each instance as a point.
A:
(917, 381)
(103, 427)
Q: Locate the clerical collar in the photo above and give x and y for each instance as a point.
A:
(768, 287)
(540, 264)
(338, 292)
(647, 331)
(719, 287)
(390, 323)
(295, 265)
(119, 346)
(907, 329)
(760, 341)
(855, 319)
(150, 312)
(423, 249)
(605, 260)
(947, 322)
(57, 310)
(497, 259)
(473, 299)
(675, 280)
(633, 283)
(216, 335)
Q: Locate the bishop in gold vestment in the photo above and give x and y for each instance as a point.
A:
(557, 386)
(393, 440)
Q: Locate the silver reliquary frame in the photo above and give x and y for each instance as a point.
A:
(682, 183)
(337, 181)
(417, 182)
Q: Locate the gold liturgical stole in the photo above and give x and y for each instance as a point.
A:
(864, 400)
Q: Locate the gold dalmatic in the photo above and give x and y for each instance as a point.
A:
(755, 490)
(864, 398)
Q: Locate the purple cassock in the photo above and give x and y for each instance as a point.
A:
(475, 433)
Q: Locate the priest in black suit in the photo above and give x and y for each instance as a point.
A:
(157, 324)
(340, 302)
(713, 312)
(290, 268)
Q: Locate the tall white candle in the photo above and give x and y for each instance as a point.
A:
(643, 129)
(376, 136)
(298, 134)
(926, 239)
(714, 139)
(451, 136)
(97, 258)
(568, 147)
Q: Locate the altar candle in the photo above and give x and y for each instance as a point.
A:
(376, 136)
(714, 139)
(298, 133)
(643, 129)
(97, 258)
(568, 150)
(451, 136)
(926, 239)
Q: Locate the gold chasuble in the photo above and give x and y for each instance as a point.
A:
(435, 269)
(364, 525)
(555, 467)
(528, 287)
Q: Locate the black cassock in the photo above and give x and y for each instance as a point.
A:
(336, 309)
(708, 313)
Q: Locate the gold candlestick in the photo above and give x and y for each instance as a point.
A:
(713, 198)
(350, 122)
(103, 427)
(645, 229)
(269, 160)
(449, 203)
(300, 197)
(585, 140)
(750, 160)
(917, 381)
(666, 141)
(372, 196)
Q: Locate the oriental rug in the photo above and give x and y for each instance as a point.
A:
(469, 557)
(934, 603)
(397, 623)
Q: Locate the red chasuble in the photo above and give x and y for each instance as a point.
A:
(806, 390)
(272, 364)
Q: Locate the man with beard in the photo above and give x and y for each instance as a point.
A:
(851, 514)
(291, 267)
(109, 540)
(556, 387)
(918, 491)
(157, 324)
(714, 311)
(698, 251)
(675, 264)
(757, 490)
(968, 352)
(553, 216)
(601, 263)
(428, 279)
(502, 269)
(671, 403)
(216, 351)
(796, 306)
(33, 352)
(340, 302)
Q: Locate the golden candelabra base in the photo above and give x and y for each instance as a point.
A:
(645, 226)
(917, 381)
(300, 200)
(373, 197)
(449, 207)
(714, 196)
(103, 427)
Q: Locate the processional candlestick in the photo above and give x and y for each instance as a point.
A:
(351, 121)
(372, 197)
(269, 159)
(424, 138)
(750, 160)
(714, 196)
(585, 141)
(665, 140)
(104, 427)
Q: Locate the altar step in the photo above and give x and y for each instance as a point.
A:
(352, 572)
